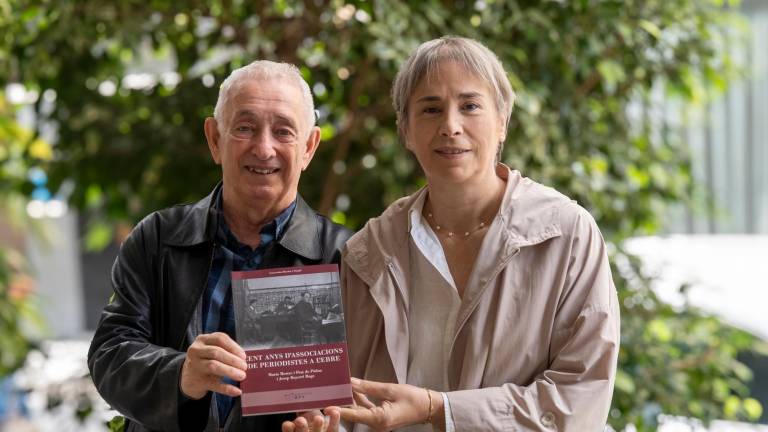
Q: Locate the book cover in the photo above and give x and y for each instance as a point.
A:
(290, 323)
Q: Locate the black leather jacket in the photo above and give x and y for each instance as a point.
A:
(158, 279)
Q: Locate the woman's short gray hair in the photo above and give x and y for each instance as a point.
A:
(470, 54)
(264, 70)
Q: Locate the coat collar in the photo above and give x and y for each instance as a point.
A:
(199, 222)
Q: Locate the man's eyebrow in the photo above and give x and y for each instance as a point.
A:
(245, 113)
(282, 118)
(285, 119)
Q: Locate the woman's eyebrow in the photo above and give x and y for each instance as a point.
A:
(470, 95)
(428, 99)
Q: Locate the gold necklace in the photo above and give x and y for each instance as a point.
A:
(450, 234)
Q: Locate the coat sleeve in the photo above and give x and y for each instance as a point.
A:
(574, 392)
(135, 376)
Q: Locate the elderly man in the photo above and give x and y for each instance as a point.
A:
(164, 353)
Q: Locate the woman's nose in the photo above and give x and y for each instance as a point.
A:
(451, 125)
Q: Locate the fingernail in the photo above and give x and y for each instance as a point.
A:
(355, 381)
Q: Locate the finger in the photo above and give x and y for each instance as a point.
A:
(357, 415)
(213, 352)
(372, 388)
(224, 341)
(310, 414)
(226, 389)
(334, 417)
(318, 423)
(221, 370)
(301, 424)
(288, 426)
(362, 400)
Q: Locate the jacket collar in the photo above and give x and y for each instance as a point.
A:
(198, 225)
(302, 229)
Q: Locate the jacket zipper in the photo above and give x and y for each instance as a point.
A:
(495, 273)
(398, 283)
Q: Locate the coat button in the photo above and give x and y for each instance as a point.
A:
(548, 419)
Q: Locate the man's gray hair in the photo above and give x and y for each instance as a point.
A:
(470, 54)
(264, 70)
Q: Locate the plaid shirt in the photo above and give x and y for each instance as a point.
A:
(231, 255)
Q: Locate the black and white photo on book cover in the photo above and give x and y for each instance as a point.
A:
(288, 307)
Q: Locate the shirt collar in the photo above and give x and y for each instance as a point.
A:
(272, 230)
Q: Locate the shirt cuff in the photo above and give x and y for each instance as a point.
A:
(449, 427)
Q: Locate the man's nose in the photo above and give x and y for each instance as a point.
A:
(451, 124)
(263, 145)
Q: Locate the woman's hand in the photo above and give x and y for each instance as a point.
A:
(314, 421)
(399, 405)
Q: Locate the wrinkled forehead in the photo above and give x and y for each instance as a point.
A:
(279, 97)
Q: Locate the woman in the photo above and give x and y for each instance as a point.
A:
(483, 301)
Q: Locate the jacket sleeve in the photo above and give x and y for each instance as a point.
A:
(574, 392)
(135, 376)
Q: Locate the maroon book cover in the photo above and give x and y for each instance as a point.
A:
(290, 323)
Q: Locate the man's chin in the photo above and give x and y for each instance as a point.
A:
(269, 195)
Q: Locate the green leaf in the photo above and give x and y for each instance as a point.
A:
(731, 407)
(659, 330)
(753, 408)
(613, 74)
(98, 236)
(651, 28)
(624, 382)
(116, 424)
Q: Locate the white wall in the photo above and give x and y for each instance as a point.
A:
(56, 268)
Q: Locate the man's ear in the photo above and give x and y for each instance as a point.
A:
(313, 142)
(213, 137)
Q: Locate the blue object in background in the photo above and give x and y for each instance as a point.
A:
(12, 401)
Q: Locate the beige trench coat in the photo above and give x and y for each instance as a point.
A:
(537, 337)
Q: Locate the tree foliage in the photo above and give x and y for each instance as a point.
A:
(16, 303)
(128, 84)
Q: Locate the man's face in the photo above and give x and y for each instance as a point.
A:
(262, 144)
(306, 297)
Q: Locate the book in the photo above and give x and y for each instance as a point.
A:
(290, 322)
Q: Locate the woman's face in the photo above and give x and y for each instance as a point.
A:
(454, 128)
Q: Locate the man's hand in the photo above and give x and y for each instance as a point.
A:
(210, 358)
(314, 421)
(400, 405)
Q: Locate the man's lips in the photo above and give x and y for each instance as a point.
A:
(261, 170)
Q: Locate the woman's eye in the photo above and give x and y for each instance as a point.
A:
(471, 106)
(431, 110)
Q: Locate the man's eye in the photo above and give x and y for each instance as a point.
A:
(284, 132)
(242, 129)
(431, 110)
(471, 106)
